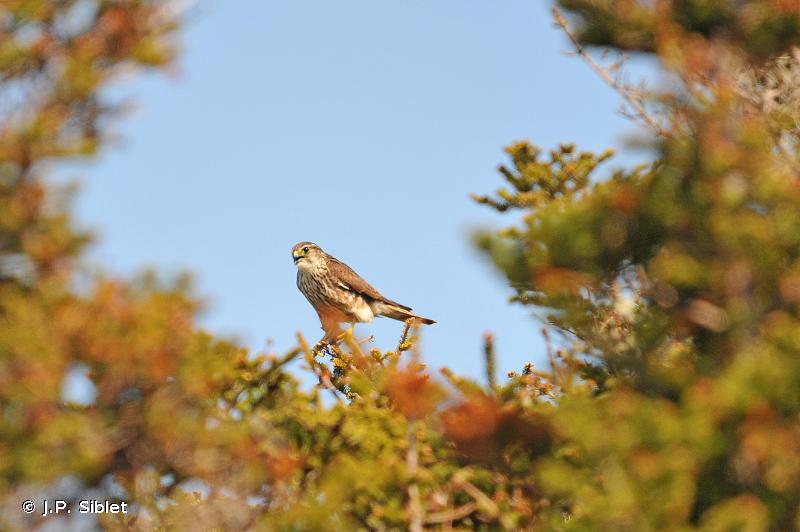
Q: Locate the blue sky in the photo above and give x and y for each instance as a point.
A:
(360, 125)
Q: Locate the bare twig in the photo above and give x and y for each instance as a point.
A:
(631, 97)
(484, 502)
(778, 138)
(415, 517)
(454, 514)
(490, 359)
(367, 340)
(770, 89)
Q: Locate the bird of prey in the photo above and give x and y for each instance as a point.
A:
(340, 295)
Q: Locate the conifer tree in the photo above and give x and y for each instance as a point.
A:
(668, 295)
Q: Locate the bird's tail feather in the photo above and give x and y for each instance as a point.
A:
(400, 313)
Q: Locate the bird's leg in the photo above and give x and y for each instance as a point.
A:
(345, 334)
(330, 324)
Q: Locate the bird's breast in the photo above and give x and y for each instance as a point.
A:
(322, 291)
(313, 285)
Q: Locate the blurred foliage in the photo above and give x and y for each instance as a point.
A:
(762, 28)
(673, 285)
(669, 293)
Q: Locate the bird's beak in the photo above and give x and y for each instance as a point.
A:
(295, 256)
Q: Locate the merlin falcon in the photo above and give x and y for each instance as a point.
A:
(340, 295)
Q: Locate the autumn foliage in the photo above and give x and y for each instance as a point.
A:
(668, 294)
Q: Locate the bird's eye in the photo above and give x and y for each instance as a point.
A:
(305, 249)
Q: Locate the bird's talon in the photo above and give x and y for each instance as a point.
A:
(320, 347)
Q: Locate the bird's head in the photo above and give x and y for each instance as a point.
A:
(306, 253)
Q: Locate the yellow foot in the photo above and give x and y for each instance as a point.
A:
(320, 347)
(345, 335)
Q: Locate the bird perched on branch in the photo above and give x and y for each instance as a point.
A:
(340, 295)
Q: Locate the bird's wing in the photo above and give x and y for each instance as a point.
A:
(350, 280)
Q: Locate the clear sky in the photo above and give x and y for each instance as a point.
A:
(359, 125)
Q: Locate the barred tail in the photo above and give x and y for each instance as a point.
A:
(399, 312)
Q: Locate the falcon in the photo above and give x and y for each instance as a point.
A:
(340, 295)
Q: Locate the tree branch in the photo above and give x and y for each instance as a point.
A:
(630, 96)
(415, 517)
